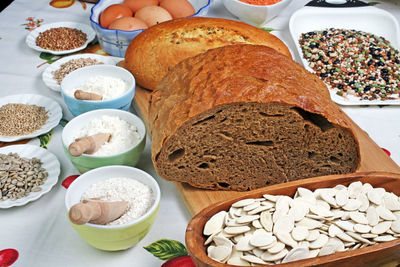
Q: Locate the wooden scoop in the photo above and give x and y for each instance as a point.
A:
(96, 211)
(89, 144)
(82, 95)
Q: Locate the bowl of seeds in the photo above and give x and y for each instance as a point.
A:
(342, 220)
(60, 38)
(26, 116)
(54, 74)
(27, 172)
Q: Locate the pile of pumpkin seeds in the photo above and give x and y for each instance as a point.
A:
(276, 229)
(19, 176)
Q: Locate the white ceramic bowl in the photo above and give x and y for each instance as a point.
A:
(80, 76)
(255, 14)
(115, 42)
(113, 237)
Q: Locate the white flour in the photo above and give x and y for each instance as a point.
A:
(123, 134)
(139, 196)
(108, 87)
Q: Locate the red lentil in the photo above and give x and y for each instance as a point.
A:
(260, 2)
(353, 62)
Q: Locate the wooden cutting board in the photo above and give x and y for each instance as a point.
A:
(373, 158)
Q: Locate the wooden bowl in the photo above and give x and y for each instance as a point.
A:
(374, 255)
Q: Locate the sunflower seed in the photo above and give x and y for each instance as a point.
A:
(243, 202)
(215, 223)
(372, 216)
(319, 242)
(253, 259)
(384, 238)
(266, 256)
(385, 214)
(276, 248)
(300, 233)
(381, 228)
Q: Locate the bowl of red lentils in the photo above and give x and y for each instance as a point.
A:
(60, 38)
(256, 12)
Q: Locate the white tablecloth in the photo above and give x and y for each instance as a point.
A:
(40, 230)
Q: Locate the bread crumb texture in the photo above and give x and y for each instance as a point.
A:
(243, 117)
(206, 35)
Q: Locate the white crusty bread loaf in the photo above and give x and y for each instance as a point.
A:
(155, 50)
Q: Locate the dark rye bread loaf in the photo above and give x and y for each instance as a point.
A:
(242, 117)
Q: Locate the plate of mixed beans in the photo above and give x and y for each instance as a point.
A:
(356, 55)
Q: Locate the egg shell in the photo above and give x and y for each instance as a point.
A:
(128, 24)
(135, 5)
(178, 8)
(112, 13)
(153, 15)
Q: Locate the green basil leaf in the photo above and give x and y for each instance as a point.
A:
(63, 122)
(267, 29)
(45, 139)
(166, 249)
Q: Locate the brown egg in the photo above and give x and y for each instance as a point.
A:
(112, 13)
(135, 5)
(153, 15)
(128, 24)
(178, 8)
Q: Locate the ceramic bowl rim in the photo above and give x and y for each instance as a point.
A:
(260, 6)
(142, 218)
(135, 31)
(106, 110)
(101, 66)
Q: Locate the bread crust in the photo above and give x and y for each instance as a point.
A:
(234, 74)
(162, 46)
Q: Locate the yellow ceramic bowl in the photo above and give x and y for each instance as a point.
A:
(113, 237)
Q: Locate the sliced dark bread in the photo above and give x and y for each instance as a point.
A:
(242, 117)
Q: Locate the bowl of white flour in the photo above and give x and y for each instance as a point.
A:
(124, 147)
(117, 183)
(115, 86)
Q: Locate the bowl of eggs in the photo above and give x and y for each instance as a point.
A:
(117, 22)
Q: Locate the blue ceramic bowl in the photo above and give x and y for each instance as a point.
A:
(80, 76)
(115, 42)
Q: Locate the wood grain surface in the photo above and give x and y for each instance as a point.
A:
(387, 253)
(373, 158)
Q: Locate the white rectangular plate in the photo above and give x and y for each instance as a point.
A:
(368, 19)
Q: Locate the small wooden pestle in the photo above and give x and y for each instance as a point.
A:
(97, 212)
(82, 95)
(89, 144)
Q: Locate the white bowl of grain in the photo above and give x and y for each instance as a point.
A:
(117, 183)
